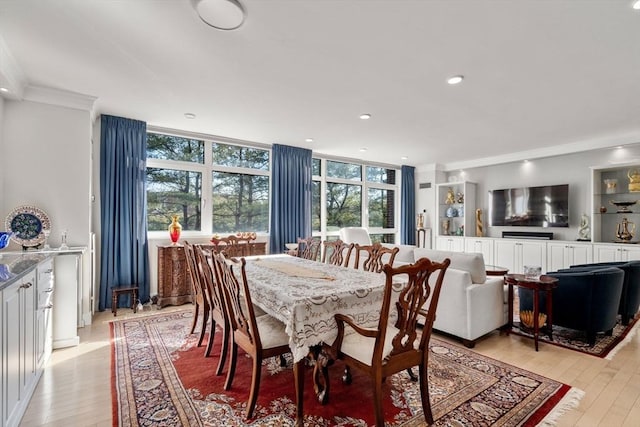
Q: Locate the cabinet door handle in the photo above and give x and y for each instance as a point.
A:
(26, 285)
(49, 290)
(48, 306)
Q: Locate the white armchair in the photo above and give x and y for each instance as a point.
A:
(361, 236)
(357, 235)
(471, 303)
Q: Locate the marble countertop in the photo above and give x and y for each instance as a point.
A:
(16, 264)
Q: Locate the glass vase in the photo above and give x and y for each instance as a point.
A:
(174, 229)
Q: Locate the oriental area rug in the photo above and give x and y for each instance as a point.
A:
(605, 347)
(161, 378)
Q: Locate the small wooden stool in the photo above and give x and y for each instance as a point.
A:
(116, 292)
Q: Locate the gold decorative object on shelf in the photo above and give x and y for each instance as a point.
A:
(623, 205)
(479, 230)
(446, 225)
(526, 318)
(460, 198)
(610, 185)
(634, 180)
(451, 198)
(625, 230)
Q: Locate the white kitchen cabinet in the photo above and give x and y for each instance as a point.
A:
(18, 343)
(25, 333)
(45, 284)
(610, 253)
(565, 254)
(451, 244)
(515, 254)
(481, 245)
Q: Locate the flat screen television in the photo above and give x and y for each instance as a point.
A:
(546, 206)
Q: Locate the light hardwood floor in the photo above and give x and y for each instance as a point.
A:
(75, 389)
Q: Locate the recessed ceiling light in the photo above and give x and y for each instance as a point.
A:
(620, 147)
(4, 89)
(308, 140)
(454, 80)
(403, 158)
(189, 115)
(363, 149)
(636, 5)
(220, 14)
(365, 116)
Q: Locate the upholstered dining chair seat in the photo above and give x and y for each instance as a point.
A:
(272, 331)
(361, 348)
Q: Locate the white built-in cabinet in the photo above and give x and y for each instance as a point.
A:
(610, 185)
(564, 254)
(25, 338)
(609, 253)
(450, 243)
(515, 254)
(482, 245)
(456, 206)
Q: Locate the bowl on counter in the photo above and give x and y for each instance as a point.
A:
(5, 237)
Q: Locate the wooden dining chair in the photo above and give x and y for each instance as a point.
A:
(218, 310)
(377, 257)
(389, 349)
(260, 337)
(336, 252)
(201, 300)
(309, 248)
(232, 246)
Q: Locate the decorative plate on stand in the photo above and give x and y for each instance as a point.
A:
(28, 224)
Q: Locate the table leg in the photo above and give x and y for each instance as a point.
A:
(550, 314)
(510, 314)
(536, 313)
(322, 361)
(298, 377)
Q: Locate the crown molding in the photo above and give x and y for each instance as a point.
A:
(11, 75)
(59, 97)
(558, 150)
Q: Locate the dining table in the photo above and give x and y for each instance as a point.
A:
(305, 295)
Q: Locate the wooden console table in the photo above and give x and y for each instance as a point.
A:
(174, 283)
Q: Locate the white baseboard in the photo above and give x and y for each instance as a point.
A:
(67, 342)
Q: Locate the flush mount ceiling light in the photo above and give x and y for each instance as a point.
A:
(220, 14)
(308, 140)
(4, 89)
(363, 149)
(365, 116)
(636, 5)
(454, 80)
(189, 115)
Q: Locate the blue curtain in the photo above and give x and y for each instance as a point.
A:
(408, 206)
(290, 196)
(124, 259)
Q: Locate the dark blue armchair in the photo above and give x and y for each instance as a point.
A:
(630, 299)
(584, 300)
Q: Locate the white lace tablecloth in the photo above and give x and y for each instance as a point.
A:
(306, 294)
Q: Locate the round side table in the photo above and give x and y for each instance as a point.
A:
(537, 285)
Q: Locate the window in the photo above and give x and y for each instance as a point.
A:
(345, 199)
(240, 202)
(237, 178)
(173, 192)
(344, 206)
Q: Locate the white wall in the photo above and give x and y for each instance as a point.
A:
(2, 159)
(572, 169)
(46, 163)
